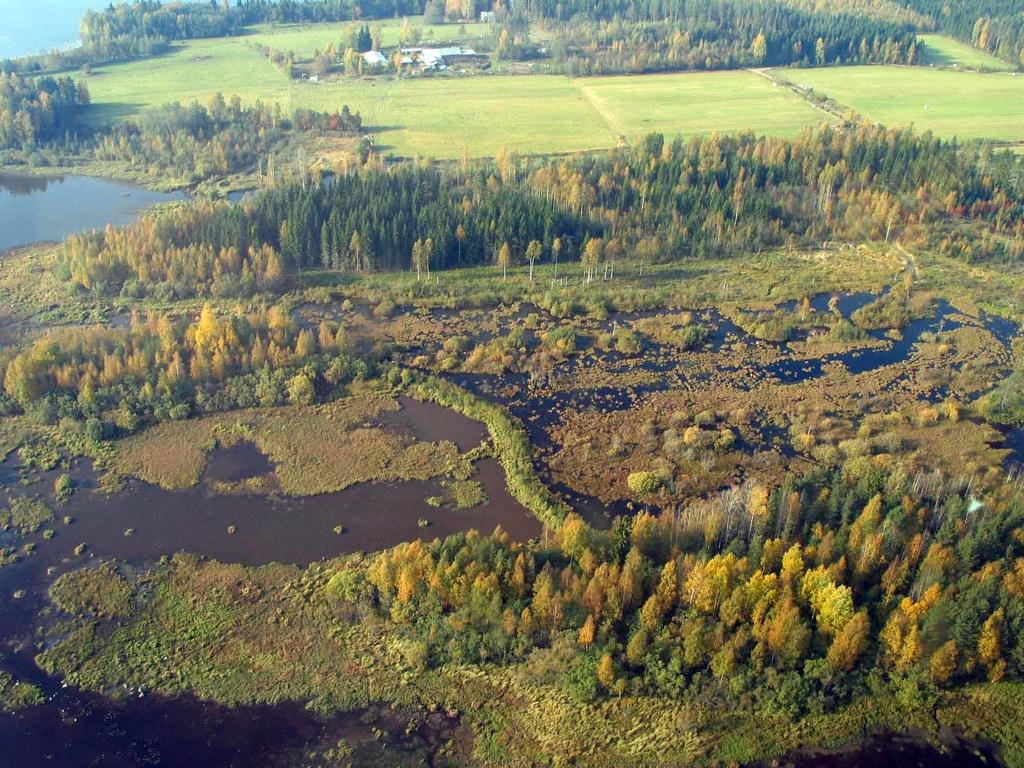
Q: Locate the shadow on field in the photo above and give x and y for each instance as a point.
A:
(96, 115)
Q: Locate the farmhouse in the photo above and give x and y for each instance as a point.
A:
(375, 59)
(442, 58)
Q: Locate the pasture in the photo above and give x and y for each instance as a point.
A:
(447, 117)
(191, 71)
(965, 105)
(942, 51)
(690, 103)
(304, 40)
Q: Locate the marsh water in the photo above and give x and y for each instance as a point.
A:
(143, 522)
(897, 751)
(49, 208)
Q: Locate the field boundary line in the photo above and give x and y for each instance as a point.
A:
(610, 120)
(779, 82)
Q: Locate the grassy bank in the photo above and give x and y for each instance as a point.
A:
(510, 444)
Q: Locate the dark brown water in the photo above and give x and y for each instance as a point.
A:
(75, 728)
(47, 209)
(1015, 443)
(297, 530)
(897, 751)
(432, 423)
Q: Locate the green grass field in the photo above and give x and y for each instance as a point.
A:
(444, 117)
(190, 71)
(697, 103)
(966, 105)
(479, 115)
(944, 51)
(305, 39)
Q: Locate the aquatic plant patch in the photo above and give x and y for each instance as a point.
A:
(314, 449)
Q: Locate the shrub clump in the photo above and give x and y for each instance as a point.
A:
(645, 483)
(100, 592)
(25, 515)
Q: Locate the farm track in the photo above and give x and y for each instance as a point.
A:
(614, 124)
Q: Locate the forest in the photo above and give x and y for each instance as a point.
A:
(195, 142)
(664, 201)
(792, 599)
(715, 34)
(36, 110)
(114, 382)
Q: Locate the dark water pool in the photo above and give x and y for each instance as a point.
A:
(1015, 442)
(47, 209)
(259, 529)
(78, 729)
(897, 751)
(140, 524)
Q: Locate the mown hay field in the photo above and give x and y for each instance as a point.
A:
(451, 116)
(965, 105)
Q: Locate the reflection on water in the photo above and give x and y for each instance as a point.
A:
(48, 209)
(894, 751)
(20, 186)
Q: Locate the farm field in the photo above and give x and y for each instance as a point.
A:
(946, 52)
(305, 39)
(190, 71)
(697, 103)
(535, 114)
(965, 105)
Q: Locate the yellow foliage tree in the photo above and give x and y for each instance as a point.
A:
(850, 642)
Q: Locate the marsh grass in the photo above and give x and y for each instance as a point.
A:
(25, 515)
(314, 449)
(466, 494)
(16, 695)
(101, 592)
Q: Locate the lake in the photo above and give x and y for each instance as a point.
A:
(24, 34)
(49, 208)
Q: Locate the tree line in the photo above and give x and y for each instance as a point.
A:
(717, 34)
(721, 195)
(194, 142)
(656, 201)
(361, 220)
(587, 38)
(851, 581)
(115, 381)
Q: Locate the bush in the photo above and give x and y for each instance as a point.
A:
(63, 487)
(644, 483)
